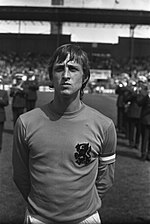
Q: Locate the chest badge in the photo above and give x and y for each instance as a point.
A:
(82, 154)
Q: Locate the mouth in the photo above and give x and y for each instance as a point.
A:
(65, 84)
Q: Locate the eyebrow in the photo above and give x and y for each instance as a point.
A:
(74, 64)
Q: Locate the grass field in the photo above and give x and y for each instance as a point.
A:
(128, 201)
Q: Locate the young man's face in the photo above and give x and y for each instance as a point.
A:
(67, 77)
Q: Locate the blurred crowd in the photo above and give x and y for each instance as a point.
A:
(133, 112)
(117, 66)
(12, 63)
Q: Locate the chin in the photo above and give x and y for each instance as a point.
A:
(67, 94)
(65, 91)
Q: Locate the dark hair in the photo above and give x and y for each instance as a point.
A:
(77, 55)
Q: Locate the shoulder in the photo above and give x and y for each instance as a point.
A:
(103, 127)
(97, 116)
(100, 124)
(33, 116)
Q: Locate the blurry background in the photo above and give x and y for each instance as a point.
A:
(121, 46)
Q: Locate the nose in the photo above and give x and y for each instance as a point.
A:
(66, 73)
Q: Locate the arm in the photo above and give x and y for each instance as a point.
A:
(105, 178)
(16, 90)
(33, 86)
(20, 160)
(142, 98)
(106, 167)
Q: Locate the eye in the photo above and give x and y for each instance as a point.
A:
(72, 68)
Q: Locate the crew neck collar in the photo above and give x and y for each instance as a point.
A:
(65, 113)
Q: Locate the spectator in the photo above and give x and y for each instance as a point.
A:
(143, 100)
(17, 92)
(4, 101)
(133, 115)
(31, 87)
(121, 116)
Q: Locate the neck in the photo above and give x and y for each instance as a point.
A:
(66, 104)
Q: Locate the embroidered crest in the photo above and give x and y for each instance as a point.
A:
(82, 154)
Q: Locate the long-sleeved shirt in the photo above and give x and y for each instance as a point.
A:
(63, 164)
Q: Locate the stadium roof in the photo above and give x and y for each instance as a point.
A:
(78, 15)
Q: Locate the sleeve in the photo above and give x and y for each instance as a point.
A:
(34, 86)
(142, 98)
(20, 160)
(106, 168)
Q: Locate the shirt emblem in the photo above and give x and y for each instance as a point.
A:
(82, 154)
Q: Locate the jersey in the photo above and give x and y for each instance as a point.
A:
(56, 158)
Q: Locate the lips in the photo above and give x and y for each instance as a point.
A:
(65, 84)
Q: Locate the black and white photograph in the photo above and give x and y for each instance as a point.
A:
(74, 111)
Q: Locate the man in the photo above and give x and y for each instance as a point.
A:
(64, 151)
(31, 87)
(133, 114)
(143, 100)
(4, 101)
(17, 92)
(121, 121)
